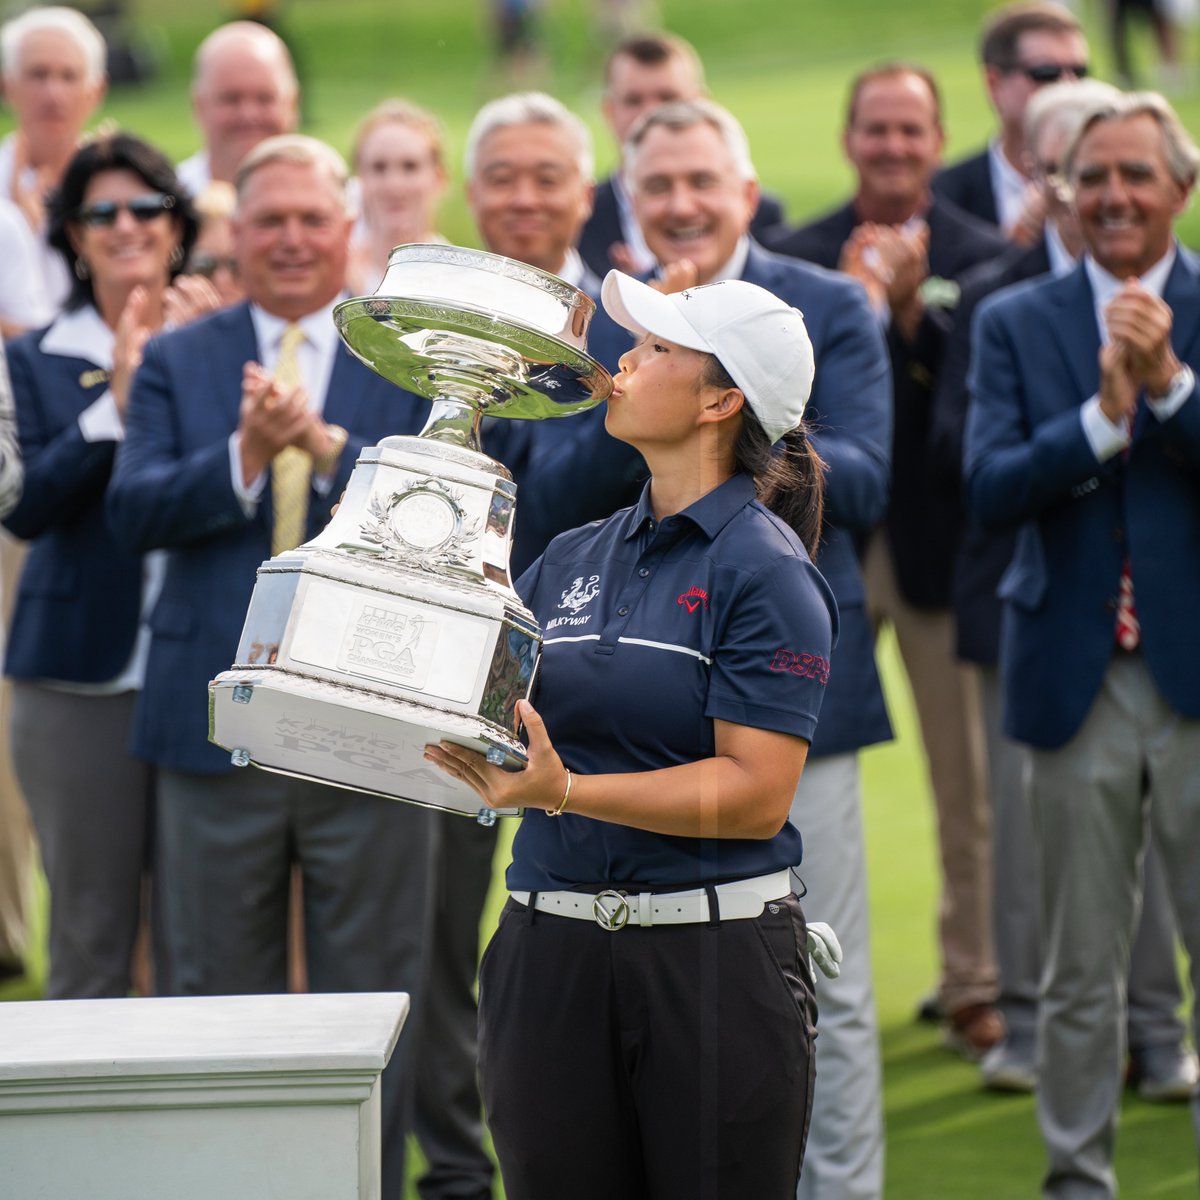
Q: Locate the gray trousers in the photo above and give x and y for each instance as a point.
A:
(93, 811)
(1154, 992)
(1132, 767)
(227, 844)
(947, 703)
(844, 1158)
(448, 1117)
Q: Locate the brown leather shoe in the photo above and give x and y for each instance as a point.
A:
(974, 1030)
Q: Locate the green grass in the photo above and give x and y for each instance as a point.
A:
(782, 66)
(947, 1139)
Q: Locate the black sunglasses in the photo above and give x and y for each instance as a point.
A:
(145, 208)
(209, 264)
(1049, 72)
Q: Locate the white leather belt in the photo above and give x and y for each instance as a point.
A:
(613, 910)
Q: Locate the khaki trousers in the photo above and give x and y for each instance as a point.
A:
(16, 835)
(946, 696)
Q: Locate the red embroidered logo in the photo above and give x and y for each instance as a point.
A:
(807, 666)
(693, 598)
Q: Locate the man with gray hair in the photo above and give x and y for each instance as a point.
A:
(529, 185)
(694, 190)
(1084, 436)
(1161, 1066)
(529, 175)
(242, 430)
(244, 89)
(54, 78)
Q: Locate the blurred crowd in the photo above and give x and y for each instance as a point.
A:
(1007, 407)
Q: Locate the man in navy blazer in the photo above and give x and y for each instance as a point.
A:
(206, 422)
(909, 248)
(1084, 435)
(642, 72)
(1023, 47)
(694, 191)
(1160, 1063)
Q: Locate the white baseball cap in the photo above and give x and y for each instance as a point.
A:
(760, 341)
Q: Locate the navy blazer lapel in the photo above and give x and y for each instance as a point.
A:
(1182, 295)
(759, 268)
(1078, 335)
(238, 343)
(347, 381)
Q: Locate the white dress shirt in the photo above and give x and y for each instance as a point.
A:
(631, 231)
(54, 277)
(23, 299)
(1009, 186)
(195, 173)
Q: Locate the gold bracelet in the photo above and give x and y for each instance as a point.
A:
(562, 804)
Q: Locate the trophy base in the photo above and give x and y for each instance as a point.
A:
(349, 737)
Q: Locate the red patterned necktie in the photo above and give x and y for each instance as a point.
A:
(1129, 629)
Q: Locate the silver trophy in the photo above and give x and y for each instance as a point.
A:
(398, 625)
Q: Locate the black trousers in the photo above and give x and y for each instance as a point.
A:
(668, 1063)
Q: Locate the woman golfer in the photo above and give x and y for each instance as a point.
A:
(646, 1005)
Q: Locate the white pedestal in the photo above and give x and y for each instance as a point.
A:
(223, 1098)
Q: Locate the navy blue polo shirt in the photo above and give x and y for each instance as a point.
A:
(651, 632)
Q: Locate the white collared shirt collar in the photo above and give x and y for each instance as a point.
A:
(1106, 286)
(572, 271)
(631, 231)
(1009, 186)
(1062, 261)
(737, 261)
(80, 333)
(319, 331)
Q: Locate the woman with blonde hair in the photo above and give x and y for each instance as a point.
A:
(399, 165)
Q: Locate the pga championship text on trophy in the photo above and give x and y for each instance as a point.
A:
(398, 625)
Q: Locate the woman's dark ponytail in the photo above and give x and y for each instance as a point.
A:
(790, 478)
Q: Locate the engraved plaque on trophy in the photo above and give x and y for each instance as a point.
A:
(398, 624)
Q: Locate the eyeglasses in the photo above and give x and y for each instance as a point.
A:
(103, 214)
(1049, 72)
(209, 264)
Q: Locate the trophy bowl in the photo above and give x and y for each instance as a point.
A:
(398, 625)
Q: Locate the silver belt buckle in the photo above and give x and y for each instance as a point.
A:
(611, 910)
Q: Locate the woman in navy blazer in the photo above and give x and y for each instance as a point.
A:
(124, 226)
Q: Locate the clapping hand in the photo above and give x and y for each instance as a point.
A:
(188, 297)
(132, 332)
(1140, 323)
(271, 417)
(677, 277)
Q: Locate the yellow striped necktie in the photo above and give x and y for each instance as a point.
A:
(291, 469)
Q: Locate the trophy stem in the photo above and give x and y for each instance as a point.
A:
(454, 421)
